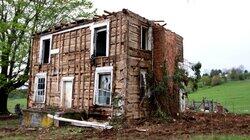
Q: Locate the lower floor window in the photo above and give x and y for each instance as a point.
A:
(40, 88)
(103, 86)
(144, 91)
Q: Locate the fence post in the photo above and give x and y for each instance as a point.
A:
(193, 105)
(212, 104)
(204, 107)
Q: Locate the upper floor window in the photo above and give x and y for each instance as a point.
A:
(100, 39)
(45, 46)
(146, 38)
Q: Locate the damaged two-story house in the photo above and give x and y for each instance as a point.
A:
(100, 65)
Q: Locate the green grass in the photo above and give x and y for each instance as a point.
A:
(8, 123)
(220, 137)
(12, 102)
(234, 95)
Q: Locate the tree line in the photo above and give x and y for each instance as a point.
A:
(217, 77)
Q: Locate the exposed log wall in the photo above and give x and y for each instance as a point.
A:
(137, 59)
(125, 55)
(74, 60)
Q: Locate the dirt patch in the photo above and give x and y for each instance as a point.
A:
(8, 117)
(188, 124)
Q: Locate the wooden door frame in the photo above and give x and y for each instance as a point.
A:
(66, 79)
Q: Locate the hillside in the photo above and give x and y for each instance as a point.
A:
(234, 95)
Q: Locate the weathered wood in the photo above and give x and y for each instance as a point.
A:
(125, 55)
(105, 11)
(157, 20)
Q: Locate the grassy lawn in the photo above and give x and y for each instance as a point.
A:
(234, 95)
(12, 102)
(220, 137)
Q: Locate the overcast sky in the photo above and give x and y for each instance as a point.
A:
(215, 32)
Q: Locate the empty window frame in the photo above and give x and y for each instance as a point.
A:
(103, 86)
(143, 84)
(45, 46)
(40, 88)
(100, 39)
(146, 38)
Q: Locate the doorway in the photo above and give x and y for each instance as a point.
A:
(66, 92)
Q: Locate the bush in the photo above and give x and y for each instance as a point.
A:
(206, 80)
(18, 93)
(242, 76)
(216, 80)
(190, 87)
(234, 75)
(224, 79)
(247, 75)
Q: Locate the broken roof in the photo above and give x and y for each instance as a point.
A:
(62, 26)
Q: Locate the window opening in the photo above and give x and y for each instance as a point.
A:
(46, 51)
(40, 90)
(100, 41)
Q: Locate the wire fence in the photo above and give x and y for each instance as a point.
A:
(207, 105)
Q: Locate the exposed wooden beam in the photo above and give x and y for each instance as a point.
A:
(158, 20)
(98, 16)
(108, 12)
(164, 25)
(104, 16)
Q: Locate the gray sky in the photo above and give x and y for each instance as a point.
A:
(215, 32)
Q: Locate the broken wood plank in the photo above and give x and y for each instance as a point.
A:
(82, 123)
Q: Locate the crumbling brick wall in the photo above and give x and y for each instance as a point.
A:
(168, 49)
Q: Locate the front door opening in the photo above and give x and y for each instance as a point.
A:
(67, 94)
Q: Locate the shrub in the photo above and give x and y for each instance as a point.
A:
(247, 75)
(224, 79)
(216, 80)
(190, 87)
(206, 80)
(234, 75)
(18, 93)
(242, 76)
(200, 84)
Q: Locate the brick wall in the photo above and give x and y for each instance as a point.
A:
(168, 47)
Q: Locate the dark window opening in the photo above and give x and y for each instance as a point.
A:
(144, 38)
(46, 49)
(100, 41)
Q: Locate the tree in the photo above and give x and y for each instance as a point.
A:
(245, 71)
(20, 19)
(197, 72)
(215, 72)
(238, 73)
